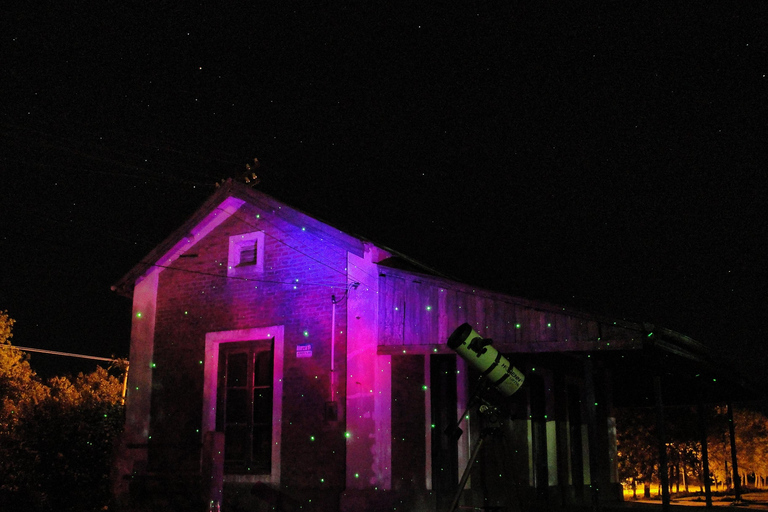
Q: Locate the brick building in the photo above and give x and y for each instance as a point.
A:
(278, 363)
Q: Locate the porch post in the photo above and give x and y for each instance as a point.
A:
(561, 439)
(593, 440)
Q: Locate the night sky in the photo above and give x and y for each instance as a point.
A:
(608, 156)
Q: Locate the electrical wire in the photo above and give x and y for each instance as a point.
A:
(114, 134)
(236, 278)
(150, 176)
(58, 353)
(344, 273)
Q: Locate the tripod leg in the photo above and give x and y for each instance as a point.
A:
(512, 490)
(465, 475)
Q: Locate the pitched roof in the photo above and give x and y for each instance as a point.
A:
(222, 204)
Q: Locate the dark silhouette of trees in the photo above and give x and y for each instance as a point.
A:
(638, 448)
(751, 446)
(56, 437)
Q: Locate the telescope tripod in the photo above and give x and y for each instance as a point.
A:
(492, 426)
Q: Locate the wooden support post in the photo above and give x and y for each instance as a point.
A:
(592, 426)
(663, 466)
(561, 438)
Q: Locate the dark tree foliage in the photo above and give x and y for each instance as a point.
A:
(638, 447)
(639, 444)
(56, 438)
(751, 428)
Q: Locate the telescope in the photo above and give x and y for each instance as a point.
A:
(495, 372)
(479, 353)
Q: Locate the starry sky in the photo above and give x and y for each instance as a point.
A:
(609, 156)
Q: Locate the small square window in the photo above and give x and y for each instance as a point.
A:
(246, 254)
(249, 254)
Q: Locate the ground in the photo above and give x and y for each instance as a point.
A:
(752, 500)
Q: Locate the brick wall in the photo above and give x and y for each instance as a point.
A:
(301, 274)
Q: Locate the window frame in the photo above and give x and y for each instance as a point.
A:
(213, 341)
(253, 351)
(235, 266)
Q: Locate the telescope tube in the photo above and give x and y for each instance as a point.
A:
(493, 366)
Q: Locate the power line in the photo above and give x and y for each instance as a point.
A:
(244, 221)
(57, 353)
(79, 356)
(127, 139)
(237, 278)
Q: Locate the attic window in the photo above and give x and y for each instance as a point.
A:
(249, 254)
(246, 253)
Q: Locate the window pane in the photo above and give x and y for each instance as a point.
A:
(263, 368)
(237, 406)
(244, 411)
(235, 443)
(262, 447)
(237, 370)
(262, 406)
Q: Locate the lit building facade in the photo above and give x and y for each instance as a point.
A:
(279, 362)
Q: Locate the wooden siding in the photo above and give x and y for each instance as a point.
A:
(418, 311)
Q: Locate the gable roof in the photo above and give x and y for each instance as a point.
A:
(220, 206)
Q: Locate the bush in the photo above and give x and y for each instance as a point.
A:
(56, 438)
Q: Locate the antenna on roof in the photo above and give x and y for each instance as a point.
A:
(250, 176)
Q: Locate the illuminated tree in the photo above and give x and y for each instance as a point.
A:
(20, 388)
(20, 392)
(637, 448)
(751, 442)
(751, 429)
(683, 447)
(55, 439)
(72, 433)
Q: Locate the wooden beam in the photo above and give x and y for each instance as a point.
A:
(521, 348)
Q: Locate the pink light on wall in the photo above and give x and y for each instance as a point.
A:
(369, 382)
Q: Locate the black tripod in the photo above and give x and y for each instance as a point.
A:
(492, 423)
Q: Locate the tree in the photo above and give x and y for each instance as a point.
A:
(20, 392)
(637, 448)
(751, 429)
(56, 438)
(20, 388)
(72, 434)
